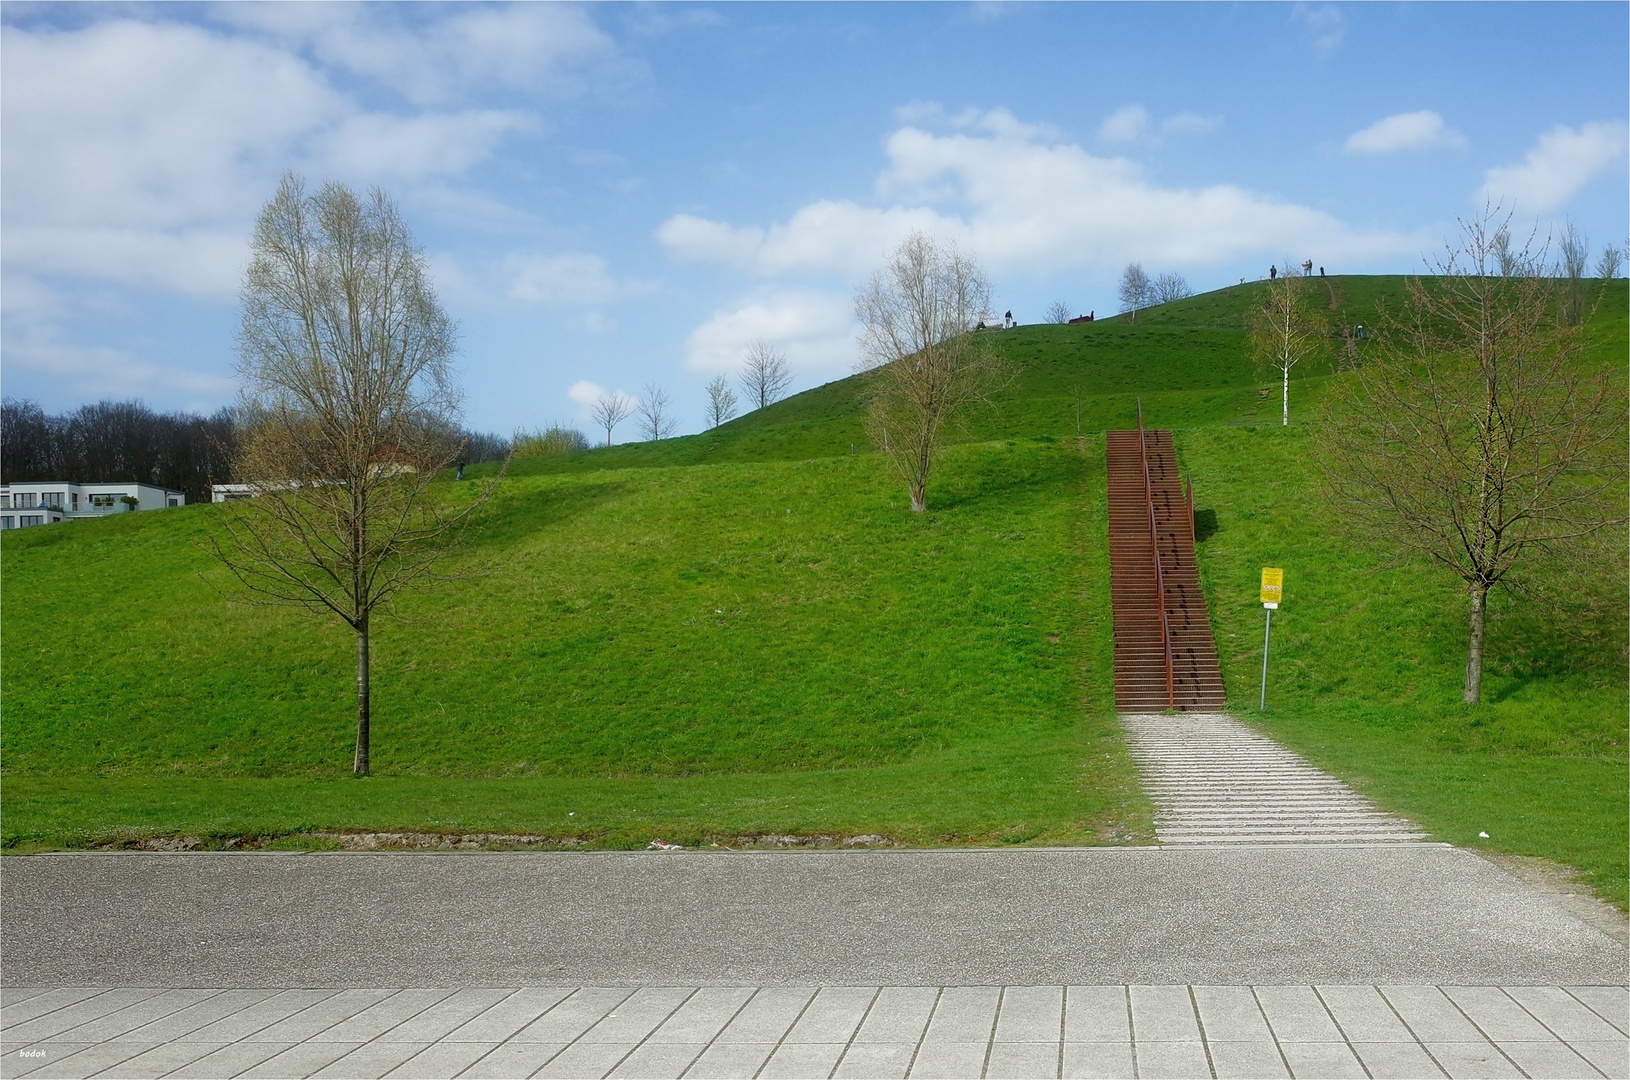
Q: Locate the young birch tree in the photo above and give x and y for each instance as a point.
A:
(721, 402)
(1478, 436)
(926, 364)
(1285, 330)
(1136, 291)
(349, 410)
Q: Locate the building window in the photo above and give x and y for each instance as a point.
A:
(5, 502)
(25, 499)
(172, 501)
(8, 522)
(103, 500)
(54, 499)
(30, 519)
(74, 496)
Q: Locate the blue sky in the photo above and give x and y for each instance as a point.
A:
(612, 196)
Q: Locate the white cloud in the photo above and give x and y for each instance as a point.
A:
(815, 330)
(1561, 162)
(139, 153)
(1325, 27)
(1129, 123)
(93, 372)
(551, 48)
(1424, 130)
(1039, 206)
(585, 393)
(572, 280)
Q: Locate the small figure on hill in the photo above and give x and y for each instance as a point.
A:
(1007, 321)
(1321, 271)
(1358, 332)
(1307, 267)
(1273, 272)
(461, 470)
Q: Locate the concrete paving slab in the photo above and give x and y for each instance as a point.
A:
(1472, 1060)
(1031, 1014)
(730, 1061)
(441, 1060)
(301, 1059)
(1098, 1059)
(521, 1008)
(704, 1016)
(875, 1061)
(1611, 1058)
(89, 1060)
(314, 1019)
(445, 1016)
(1163, 1014)
(1564, 1014)
(1097, 1014)
(161, 1060)
(964, 1014)
(898, 1015)
(369, 1061)
(1396, 1060)
(1231, 1014)
(949, 1060)
(1024, 1060)
(641, 1013)
(509, 1060)
(182, 1024)
(798, 1061)
(1611, 1003)
(1430, 1016)
(18, 1059)
(1327, 1060)
(260, 1015)
(382, 1016)
(1297, 1014)
(1497, 1015)
(37, 1003)
(1548, 1060)
(1246, 1060)
(1364, 1015)
(112, 1025)
(1416, 915)
(833, 1016)
(768, 1016)
(230, 1060)
(52, 1024)
(658, 1061)
(585, 1060)
(1171, 1060)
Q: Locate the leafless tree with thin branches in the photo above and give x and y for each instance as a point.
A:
(1169, 287)
(656, 413)
(610, 409)
(765, 374)
(1058, 312)
(1610, 262)
(1286, 328)
(926, 365)
(721, 402)
(1478, 435)
(349, 410)
(1575, 251)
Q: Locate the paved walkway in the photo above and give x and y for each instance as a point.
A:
(965, 1031)
(1215, 781)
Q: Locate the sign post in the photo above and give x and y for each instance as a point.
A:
(1273, 588)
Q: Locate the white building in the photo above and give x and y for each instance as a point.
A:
(46, 502)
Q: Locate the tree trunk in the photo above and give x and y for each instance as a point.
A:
(360, 766)
(1285, 401)
(919, 502)
(1474, 651)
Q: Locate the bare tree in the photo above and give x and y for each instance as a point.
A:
(656, 413)
(925, 363)
(765, 374)
(1575, 252)
(1058, 312)
(1136, 290)
(1475, 436)
(1607, 267)
(721, 402)
(348, 412)
(1169, 287)
(1286, 329)
(610, 409)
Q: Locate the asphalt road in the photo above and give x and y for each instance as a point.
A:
(1353, 915)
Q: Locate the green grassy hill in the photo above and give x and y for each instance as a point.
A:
(746, 632)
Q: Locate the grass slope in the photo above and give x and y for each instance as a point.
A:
(771, 643)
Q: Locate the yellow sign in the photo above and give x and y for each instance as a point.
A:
(1273, 585)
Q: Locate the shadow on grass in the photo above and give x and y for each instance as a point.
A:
(532, 511)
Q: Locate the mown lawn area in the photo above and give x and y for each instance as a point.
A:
(682, 651)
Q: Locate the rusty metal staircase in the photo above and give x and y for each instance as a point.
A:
(1165, 655)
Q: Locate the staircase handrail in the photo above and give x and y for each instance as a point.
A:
(1154, 548)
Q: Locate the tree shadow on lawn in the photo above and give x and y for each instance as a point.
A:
(514, 516)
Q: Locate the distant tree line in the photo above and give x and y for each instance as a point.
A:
(112, 441)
